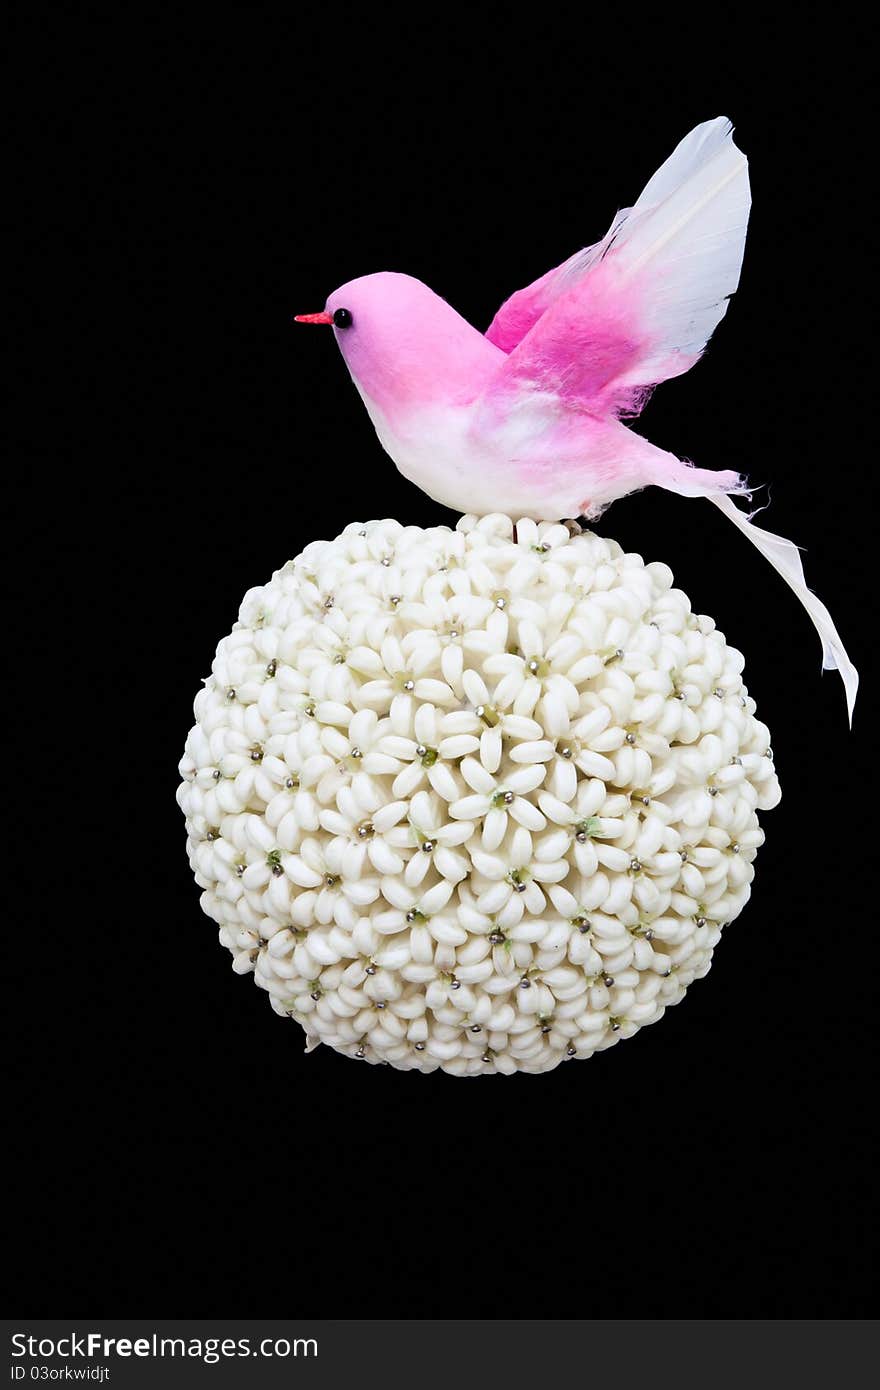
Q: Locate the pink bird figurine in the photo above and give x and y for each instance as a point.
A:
(527, 418)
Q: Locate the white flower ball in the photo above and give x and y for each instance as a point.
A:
(480, 799)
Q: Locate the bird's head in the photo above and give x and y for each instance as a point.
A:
(403, 344)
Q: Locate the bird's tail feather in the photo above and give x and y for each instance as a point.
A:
(785, 558)
(665, 470)
(687, 481)
(651, 465)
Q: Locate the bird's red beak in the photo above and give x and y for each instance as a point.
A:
(313, 318)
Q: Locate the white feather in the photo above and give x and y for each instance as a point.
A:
(785, 558)
(689, 244)
(698, 148)
(685, 239)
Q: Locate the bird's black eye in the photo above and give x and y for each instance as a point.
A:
(342, 318)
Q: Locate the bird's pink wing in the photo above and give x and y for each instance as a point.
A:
(638, 308)
(521, 311)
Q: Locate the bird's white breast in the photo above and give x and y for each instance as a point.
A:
(435, 449)
(474, 466)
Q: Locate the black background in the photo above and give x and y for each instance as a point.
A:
(175, 1152)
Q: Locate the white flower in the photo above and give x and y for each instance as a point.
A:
(421, 757)
(436, 840)
(319, 868)
(495, 798)
(419, 908)
(478, 799)
(515, 877)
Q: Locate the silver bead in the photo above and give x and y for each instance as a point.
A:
(428, 845)
(230, 694)
(411, 915)
(486, 1057)
(525, 984)
(581, 837)
(360, 1052)
(331, 880)
(608, 980)
(421, 750)
(291, 782)
(566, 752)
(362, 533)
(394, 600)
(501, 603)
(615, 1026)
(713, 791)
(420, 1047)
(630, 739)
(734, 847)
(386, 561)
(475, 1028)
(635, 865)
(649, 935)
(315, 994)
(496, 937)
(356, 753)
(570, 1051)
(508, 798)
(409, 685)
(534, 667)
(545, 1027)
(699, 921)
(371, 969)
(453, 632)
(365, 831)
(380, 1004)
(239, 870)
(679, 695)
(736, 762)
(329, 601)
(256, 755)
(520, 887)
(271, 668)
(683, 855)
(277, 870)
(216, 774)
(211, 835)
(455, 984)
(718, 693)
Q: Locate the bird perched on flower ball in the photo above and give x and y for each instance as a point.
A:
(527, 418)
